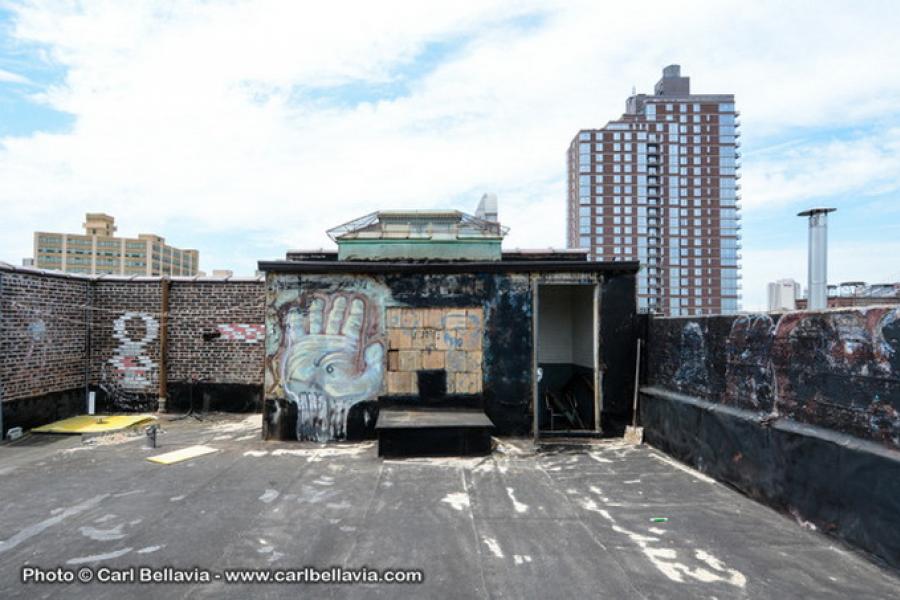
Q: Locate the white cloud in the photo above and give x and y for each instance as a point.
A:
(10, 77)
(224, 115)
(813, 169)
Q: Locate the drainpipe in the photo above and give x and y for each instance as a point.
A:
(88, 334)
(163, 341)
(817, 269)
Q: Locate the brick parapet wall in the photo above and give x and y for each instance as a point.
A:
(216, 332)
(56, 329)
(43, 333)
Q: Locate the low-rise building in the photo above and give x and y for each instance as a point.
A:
(98, 251)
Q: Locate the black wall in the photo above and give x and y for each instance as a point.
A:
(797, 410)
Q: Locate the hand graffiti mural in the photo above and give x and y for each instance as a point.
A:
(329, 363)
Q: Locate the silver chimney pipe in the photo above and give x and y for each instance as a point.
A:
(817, 279)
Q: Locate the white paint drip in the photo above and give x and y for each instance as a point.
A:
(270, 550)
(38, 528)
(692, 472)
(251, 422)
(519, 506)
(665, 559)
(105, 518)
(319, 454)
(598, 458)
(176, 498)
(493, 546)
(149, 549)
(256, 453)
(252, 436)
(98, 557)
(103, 535)
(458, 500)
(269, 496)
(630, 481)
(128, 493)
(521, 559)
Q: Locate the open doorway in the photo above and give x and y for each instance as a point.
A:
(568, 400)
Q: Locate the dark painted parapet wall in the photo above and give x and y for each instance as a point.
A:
(61, 335)
(798, 410)
(837, 369)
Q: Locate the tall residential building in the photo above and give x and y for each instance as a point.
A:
(783, 294)
(660, 185)
(98, 251)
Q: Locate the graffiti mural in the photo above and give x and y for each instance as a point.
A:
(749, 375)
(249, 333)
(326, 354)
(38, 344)
(132, 365)
(837, 369)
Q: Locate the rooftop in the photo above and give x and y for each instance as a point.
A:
(567, 523)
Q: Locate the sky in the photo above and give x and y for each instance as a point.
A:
(244, 128)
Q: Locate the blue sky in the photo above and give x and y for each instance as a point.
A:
(246, 128)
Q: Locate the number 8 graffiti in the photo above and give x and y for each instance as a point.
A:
(130, 359)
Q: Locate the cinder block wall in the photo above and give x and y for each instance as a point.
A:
(62, 334)
(799, 410)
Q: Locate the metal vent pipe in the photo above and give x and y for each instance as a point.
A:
(817, 278)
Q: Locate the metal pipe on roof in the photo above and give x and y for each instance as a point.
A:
(817, 269)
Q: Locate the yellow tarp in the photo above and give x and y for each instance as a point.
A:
(94, 424)
(179, 455)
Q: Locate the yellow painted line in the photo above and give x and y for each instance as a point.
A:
(179, 455)
(94, 423)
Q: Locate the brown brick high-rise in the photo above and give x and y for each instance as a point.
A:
(660, 185)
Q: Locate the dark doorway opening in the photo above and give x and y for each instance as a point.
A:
(566, 359)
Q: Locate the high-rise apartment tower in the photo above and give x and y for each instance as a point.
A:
(660, 185)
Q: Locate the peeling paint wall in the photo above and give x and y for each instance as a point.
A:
(375, 331)
(837, 369)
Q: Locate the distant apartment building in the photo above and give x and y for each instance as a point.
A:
(783, 294)
(98, 251)
(660, 185)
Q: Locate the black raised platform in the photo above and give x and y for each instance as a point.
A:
(433, 432)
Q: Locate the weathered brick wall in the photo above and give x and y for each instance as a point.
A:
(56, 330)
(216, 331)
(125, 334)
(43, 333)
